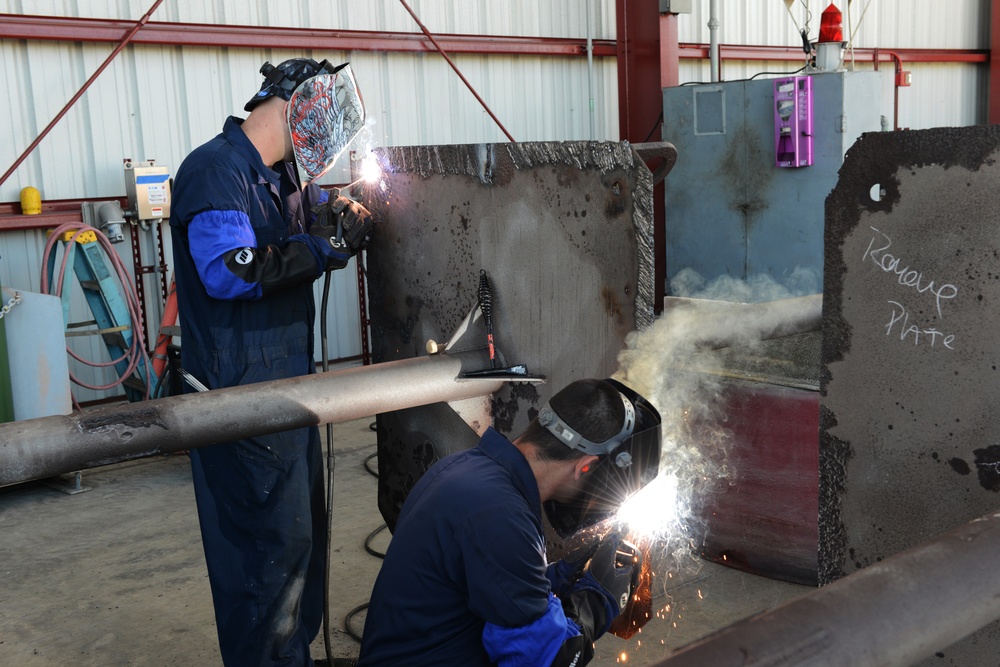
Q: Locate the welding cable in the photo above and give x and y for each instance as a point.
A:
(136, 353)
(373, 473)
(331, 465)
(350, 617)
(370, 549)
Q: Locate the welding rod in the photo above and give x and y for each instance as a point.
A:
(895, 612)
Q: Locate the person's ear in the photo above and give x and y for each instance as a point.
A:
(583, 466)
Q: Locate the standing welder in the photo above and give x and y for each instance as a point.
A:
(247, 249)
(465, 580)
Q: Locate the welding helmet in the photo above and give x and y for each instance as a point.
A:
(628, 461)
(325, 110)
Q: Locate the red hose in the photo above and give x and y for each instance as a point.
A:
(136, 352)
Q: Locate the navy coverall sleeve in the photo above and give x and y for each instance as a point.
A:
(505, 571)
(229, 259)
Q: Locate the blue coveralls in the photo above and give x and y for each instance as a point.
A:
(260, 501)
(464, 579)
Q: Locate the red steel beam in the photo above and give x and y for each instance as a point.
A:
(17, 26)
(994, 93)
(794, 53)
(54, 213)
(640, 105)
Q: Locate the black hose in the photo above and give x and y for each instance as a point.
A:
(330, 466)
(347, 622)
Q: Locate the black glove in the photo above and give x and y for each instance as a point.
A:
(615, 567)
(608, 581)
(566, 571)
(345, 220)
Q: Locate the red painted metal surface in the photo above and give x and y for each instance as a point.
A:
(766, 521)
(794, 53)
(14, 26)
(670, 53)
(54, 213)
(640, 104)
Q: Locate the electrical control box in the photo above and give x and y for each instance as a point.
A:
(793, 122)
(147, 186)
(729, 210)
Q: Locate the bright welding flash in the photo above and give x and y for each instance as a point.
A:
(371, 171)
(653, 509)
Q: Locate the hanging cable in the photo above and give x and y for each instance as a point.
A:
(136, 353)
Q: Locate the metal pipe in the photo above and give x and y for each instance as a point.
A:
(49, 446)
(107, 61)
(896, 612)
(468, 85)
(713, 39)
(724, 324)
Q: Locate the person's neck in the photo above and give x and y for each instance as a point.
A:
(549, 475)
(266, 132)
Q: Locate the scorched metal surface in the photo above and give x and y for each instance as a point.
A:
(909, 421)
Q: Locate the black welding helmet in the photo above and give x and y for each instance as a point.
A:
(628, 461)
(325, 110)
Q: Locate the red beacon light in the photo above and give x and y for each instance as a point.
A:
(831, 27)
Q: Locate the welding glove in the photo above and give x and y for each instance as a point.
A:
(566, 571)
(346, 220)
(604, 590)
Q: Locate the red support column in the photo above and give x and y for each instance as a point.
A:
(640, 103)
(670, 51)
(994, 94)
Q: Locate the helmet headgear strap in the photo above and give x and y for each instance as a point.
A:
(567, 435)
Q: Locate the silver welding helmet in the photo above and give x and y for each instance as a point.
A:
(628, 461)
(325, 110)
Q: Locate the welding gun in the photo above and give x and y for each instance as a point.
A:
(345, 225)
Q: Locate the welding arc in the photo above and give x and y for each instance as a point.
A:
(486, 305)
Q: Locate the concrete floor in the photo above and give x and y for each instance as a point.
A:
(116, 575)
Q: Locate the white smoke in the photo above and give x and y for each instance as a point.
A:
(677, 364)
(756, 289)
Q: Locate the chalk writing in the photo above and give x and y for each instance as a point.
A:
(926, 336)
(907, 276)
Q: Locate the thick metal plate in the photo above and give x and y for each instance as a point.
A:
(910, 431)
(564, 232)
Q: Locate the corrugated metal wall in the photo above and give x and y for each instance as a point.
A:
(942, 95)
(160, 101)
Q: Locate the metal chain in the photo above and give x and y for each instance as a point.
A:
(16, 299)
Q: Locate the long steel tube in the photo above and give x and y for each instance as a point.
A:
(49, 446)
(893, 613)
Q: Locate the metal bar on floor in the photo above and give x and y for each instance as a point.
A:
(893, 613)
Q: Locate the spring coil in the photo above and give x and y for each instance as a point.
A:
(485, 296)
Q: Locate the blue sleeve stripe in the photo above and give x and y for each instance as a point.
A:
(537, 643)
(211, 234)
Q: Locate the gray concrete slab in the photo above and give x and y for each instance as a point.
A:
(116, 576)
